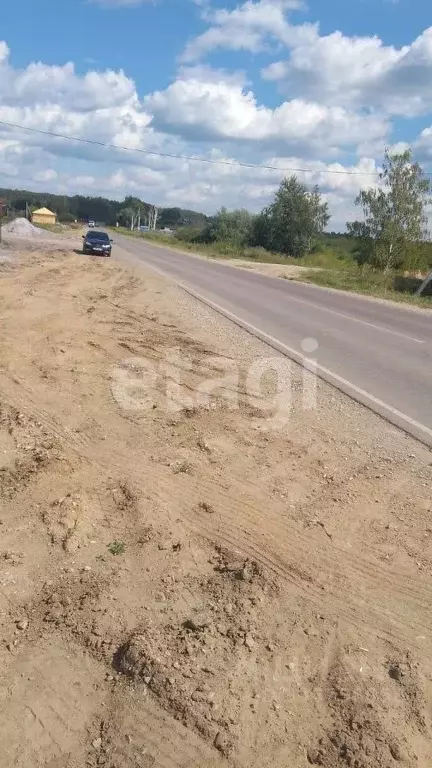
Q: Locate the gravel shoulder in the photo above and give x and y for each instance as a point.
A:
(195, 574)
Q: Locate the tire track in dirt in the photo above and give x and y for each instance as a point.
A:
(155, 740)
(283, 549)
(27, 405)
(280, 547)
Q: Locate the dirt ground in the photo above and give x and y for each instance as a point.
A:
(189, 583)
(287, 271)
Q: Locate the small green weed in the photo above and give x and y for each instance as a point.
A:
(117, 548)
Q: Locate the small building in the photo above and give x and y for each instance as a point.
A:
(44, 216)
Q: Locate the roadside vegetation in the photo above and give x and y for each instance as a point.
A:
(322, 257)
(382, 255)
(369, 281)
(289, 231)
(328, 266)
(391, 243)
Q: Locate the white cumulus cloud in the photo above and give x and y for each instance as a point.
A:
(248, 27)
(215, 107)
(360, 72)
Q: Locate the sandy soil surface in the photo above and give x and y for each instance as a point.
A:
(204, 585)
(290, 271)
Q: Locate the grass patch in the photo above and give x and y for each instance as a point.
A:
(116, 548)
(60, 228)
(326, 257)
(54, 228)
(365, 281)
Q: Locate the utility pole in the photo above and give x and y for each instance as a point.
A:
(139, 219)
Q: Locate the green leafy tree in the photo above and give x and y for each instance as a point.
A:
(260, 236)
(394, 228)
(363, 242)
(233, 227)
(125, 216)
(294, 221)
(181, 217)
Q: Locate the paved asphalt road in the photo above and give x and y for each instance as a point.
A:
(377, 352)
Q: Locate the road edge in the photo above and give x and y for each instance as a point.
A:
(406, 306)
(400, 420)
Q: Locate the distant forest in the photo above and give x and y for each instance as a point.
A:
(99, 209)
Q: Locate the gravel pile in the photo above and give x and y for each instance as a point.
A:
(22, 228)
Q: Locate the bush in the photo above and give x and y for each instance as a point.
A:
(234, 227)
(327, 258)
(363, 279)
(189, 234)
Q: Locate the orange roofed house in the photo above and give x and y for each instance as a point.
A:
(44, 216)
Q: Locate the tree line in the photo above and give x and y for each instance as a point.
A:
(100, 209)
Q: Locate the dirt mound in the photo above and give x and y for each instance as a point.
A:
(191, 666)
(23, 228)
(362, 734)
(32, 450)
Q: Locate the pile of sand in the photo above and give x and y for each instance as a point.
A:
(23, 228)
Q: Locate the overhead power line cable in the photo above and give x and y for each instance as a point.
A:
(189, 158)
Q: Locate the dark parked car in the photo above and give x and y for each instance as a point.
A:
(97, 242)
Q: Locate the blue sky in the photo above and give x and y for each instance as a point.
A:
(152, 34)
(317, 85)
